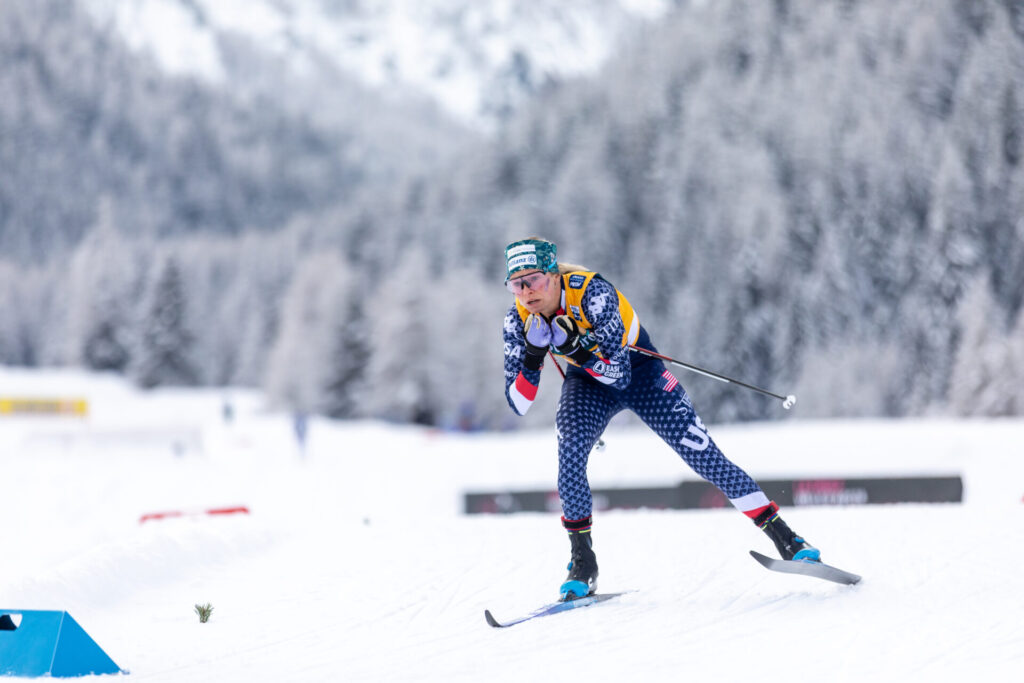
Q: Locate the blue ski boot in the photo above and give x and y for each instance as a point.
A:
(582, 579)
(789, 544)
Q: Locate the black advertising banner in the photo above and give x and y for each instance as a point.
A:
(691, 495)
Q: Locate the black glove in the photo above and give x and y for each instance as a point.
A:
(565, 336)
(538, 335)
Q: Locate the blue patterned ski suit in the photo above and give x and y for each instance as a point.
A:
(589, 401)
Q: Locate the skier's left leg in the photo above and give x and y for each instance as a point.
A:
(660, 401)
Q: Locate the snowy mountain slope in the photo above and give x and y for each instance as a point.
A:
(479, 60)
(356, 565)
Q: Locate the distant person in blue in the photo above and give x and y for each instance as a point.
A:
(576, 314)
(300, 425)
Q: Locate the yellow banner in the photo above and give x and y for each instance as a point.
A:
(77, 407)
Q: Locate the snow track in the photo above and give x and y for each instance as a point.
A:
(355, 564)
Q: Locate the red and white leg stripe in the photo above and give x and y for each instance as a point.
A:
(752, 504)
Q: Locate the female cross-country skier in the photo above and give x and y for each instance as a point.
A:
(578, 315)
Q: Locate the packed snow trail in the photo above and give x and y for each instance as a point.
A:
(356, 564)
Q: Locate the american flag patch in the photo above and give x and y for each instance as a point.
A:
(667, 381)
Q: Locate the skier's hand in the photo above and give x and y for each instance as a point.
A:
(565, 334)
(538, 338)
(538, 335)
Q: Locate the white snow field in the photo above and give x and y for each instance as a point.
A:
(356, 563)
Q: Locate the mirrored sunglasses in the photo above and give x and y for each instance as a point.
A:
(531, 281)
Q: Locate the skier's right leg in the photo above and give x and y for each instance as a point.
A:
(582, 578)
(583, 412)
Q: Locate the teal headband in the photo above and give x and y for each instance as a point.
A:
(527, 254)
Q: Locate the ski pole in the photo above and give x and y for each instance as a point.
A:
(787, 401)
(600, 442)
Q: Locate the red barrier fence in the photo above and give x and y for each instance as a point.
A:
(154, 516)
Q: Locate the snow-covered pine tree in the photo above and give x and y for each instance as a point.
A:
(985, 375)
(101, 293)
(18, 341)
(163, 356)
(350, 351)
(401, 367)
(319, 317)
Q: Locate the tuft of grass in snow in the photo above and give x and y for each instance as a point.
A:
(204, 612)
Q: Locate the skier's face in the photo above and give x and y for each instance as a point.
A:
(538, 292)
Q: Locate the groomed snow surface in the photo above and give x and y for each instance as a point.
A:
(356, 563)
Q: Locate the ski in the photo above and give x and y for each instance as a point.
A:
(815, 569)
(553, 608)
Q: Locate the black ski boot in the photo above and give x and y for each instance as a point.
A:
(582, 579)
(789, 544)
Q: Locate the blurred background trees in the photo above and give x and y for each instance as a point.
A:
(821, 197)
